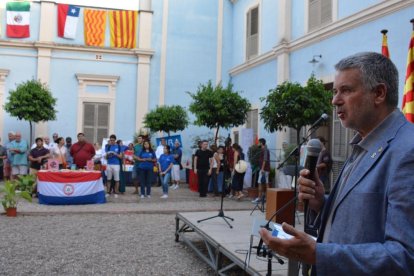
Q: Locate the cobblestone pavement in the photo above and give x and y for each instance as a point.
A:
(125, 236)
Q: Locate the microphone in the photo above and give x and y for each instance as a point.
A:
(313, 147)
(321, 119)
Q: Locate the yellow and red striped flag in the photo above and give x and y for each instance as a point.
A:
(384, 48)
(122, 25)
(408, 98)
(95, 25)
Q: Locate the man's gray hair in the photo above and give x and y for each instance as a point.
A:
(375, 69)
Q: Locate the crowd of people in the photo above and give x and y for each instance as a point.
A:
(17, 159)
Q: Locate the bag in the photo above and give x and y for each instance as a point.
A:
(263, 179)
(181, 166)
(241, 166)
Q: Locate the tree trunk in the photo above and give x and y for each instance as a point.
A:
(31, 134)
(216, 137)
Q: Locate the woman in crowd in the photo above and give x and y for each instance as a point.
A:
(165, 164)
(238, 178)
(219, 159)
(60, 153)
(147, 159)
(212, 185)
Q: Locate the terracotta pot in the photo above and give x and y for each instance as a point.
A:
(11, 212)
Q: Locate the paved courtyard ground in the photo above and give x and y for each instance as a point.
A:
(126, 236)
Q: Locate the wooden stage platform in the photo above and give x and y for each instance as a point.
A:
(224, 248)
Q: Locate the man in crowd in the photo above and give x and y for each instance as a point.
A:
(68, 145)
(158, 152)
(82, 151)
(203, 165)
(8, 160)
(137, 151)
(177, 152)
(114, 156)
(37, 157)
(18, 150)
(3, 156)
(366, 225)
(264, 161)
(53, 144)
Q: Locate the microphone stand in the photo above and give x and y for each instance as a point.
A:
(223, 194)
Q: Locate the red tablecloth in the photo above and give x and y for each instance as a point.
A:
(70, 187)
(193, 185)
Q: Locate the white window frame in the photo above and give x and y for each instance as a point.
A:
(86, 97)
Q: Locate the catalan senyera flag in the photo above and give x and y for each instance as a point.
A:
(123, 26)
(94, 27)
(408, 98)
(384, 49)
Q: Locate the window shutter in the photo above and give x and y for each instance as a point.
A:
(314, 14)
(320, 13)
(326, 12)
(96, 121)
(103, 122)
(88, 121)
(252, 34)
(252, 122)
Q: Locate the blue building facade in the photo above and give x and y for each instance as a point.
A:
(255, 44)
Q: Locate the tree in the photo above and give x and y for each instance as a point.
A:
(291, 105)
(218, 107)
(166, 118)
(31, 101)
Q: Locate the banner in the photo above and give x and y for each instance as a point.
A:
(94, 27)
(408, 98)
(68, 17)
(123, 26)
(18, 19)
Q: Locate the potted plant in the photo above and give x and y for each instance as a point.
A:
(25, 183)
(11, 197)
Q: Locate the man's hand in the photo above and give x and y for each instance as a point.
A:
(300, 247)
(195, 171)
(311, 190)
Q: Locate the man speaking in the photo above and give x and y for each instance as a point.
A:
(366, 225)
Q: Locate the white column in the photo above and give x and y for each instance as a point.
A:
(283, 62)
(143, 69)
(47, 21)
(43, 74)
(44, 52)
(163, 61)
(3, 75)
(143, 78)
(219, 58)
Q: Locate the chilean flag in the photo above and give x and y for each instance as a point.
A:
(61, 188)
(68, 16)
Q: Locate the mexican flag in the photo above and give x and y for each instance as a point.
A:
(18, 19)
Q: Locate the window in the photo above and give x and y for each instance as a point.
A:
(252, 33)
(320, 13)
(96, 105)
(95, 121)
(252, 122)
